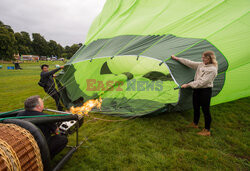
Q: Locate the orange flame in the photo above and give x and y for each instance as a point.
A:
(87, 106)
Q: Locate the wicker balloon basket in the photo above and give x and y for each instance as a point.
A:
(18, 149)
(4, 161)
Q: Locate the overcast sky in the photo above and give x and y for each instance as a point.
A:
(65, 21)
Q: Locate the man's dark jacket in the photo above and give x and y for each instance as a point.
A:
(47, 129)
(47, 80)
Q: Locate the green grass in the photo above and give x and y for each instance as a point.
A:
(159, 142)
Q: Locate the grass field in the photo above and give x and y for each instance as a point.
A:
(161, 142)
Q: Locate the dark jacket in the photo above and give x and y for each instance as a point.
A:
(47, 79)
(47, 129)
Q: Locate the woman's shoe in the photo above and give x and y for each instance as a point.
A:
(204, 132)
(193, 125)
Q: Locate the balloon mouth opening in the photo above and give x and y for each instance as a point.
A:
(125, 83)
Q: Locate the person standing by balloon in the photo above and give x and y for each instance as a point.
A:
(48, 84)
(206, 72)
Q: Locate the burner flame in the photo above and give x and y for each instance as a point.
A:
(87, 107)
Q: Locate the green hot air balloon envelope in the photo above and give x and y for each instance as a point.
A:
(126, 57)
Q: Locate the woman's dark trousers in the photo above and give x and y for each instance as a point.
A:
(201, 98)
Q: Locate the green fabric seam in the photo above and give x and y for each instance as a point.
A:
(78, 54)
(152, 45)
(105, 23)
(239, 66)
(101, 48)
(223, 84)
(221, 53)
(185, 49)
(126, 45)
(227, 25)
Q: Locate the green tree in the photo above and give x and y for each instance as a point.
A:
(70, 51)
(1, 23)
(52, 48)
(7, 42)
(27, 41)
(55, 49)
(9, 28)
(40, 45)
(21, 45)
(60, 50)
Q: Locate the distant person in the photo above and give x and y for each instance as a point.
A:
(17, 65)
(34, 107)
(206, 72)
(48, 84)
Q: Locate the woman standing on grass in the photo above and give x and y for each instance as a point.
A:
(206, 72)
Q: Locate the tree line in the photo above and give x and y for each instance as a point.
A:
(20, 43)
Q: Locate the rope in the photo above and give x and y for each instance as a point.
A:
(60, 89)
(94, 118)
(108, 120)
(46, 96)
(60, 79)
(66, 71)
(40, 116)
(11, 111)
